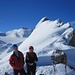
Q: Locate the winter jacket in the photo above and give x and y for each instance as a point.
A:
(17, 62)
(31, 57)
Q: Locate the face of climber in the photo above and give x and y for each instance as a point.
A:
(31, 50)
(15, 47)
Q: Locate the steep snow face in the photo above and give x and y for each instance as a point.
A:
(42, 20)
(22, 32)
(45, 34)
(64, 39)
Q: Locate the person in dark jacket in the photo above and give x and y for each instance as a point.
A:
(17, 61)
(31, 59)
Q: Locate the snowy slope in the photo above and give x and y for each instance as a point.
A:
(46, 37)
(22, 32)
(16, 35)
(12, 37)
(3, 46)
(46, 33)
(6, 42)
(49, 70)
(12, 40)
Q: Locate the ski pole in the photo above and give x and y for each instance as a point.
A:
(54, 67)
(65, 69)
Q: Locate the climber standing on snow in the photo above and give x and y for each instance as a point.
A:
(31, 59)
(17, 61)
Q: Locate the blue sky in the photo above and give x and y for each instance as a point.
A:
(26, 13)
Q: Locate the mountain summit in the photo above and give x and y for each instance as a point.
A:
(44, 19)
(47, 33)
(22, 32)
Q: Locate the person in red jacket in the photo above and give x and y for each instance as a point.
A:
(31, 59)
(17, 61)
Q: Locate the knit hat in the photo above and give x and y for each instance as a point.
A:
(14, 46)
(31, 47)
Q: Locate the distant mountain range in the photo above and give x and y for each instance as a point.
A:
(22, 32)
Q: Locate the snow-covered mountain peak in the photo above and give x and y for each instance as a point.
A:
(22, 32)
(59, 20)
(46, 32)
(53, 23)
(44, 19)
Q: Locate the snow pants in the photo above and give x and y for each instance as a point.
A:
(31, 70)
(22, 72)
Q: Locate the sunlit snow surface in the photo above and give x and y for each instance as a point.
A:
(46, 37)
